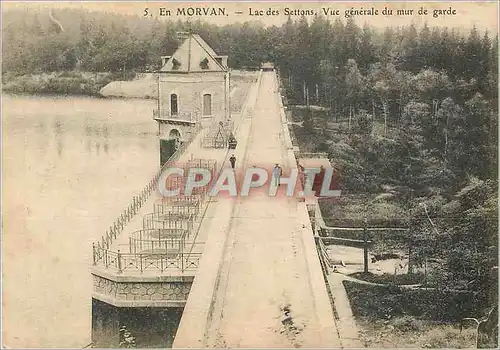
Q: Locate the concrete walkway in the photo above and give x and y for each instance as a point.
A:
(260, 263)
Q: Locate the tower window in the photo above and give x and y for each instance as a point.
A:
(174, 108)
(207, 104)
(175, 64)
(204, 63)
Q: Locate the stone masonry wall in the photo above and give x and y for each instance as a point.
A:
(187, 132)
(141, 290)
(190, 89)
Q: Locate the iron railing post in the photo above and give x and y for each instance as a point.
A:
(140, 240)
(182, 257)
(140, 261)
(365, 246)
(119, 262)
(161, 259)
(93, 253)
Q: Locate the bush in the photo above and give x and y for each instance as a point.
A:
(364, 122)
(64, 83)
(385, 302)
(449, 337)
(407, 323)
(386, 278)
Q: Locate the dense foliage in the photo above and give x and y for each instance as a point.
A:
(411, 111)
(412, 115)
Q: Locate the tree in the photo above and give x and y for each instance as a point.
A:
(303, 59)
(431, 87)
(366, 53)
(385, 84)
(450, 124)
(351, 37)
(409, 50)
(481, 149)
(424, 49)
(472, 54)
(364, 122)
(355, 86)
(474, 232)
(319, 39)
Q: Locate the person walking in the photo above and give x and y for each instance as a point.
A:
(232, 160)
(277, 172)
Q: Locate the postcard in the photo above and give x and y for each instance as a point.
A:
(250, 174)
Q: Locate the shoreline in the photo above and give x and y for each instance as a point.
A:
(57, 95)
(132, 86)
(50, 94)
(64, 83)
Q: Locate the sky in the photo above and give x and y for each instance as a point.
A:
(484, 15)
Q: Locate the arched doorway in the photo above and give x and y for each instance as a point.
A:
(175, 135)
(169, 146)
(174, 105)
(207, 104)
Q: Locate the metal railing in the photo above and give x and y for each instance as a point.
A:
(179, 204)
(226, 128)
(184, 116)
(166, 207)
(180, 213)
(209, 164)
(144, 262)
(311, 155)
(214, 142)
(164, 222)
(193, 201)
(137, 201)
(218, 136)
(156, 240)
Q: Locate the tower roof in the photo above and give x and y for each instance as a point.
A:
(195, 55)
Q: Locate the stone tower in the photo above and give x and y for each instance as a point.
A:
(193, 92)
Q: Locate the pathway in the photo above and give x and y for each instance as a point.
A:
(261, 257)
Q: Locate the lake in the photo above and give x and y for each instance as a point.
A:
(70, 166)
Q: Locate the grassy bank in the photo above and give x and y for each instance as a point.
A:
(387, 278)
(61, 83)
(408, 332)
(393, 317)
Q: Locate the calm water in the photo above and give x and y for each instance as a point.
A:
(70, 166)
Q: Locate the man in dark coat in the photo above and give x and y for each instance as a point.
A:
(232, 160)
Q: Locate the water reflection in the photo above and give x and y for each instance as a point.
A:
(74, 191)
(40, 126)
(88, 129)
(41, 140)
(57, 126)
(97, 134)
(105, 131)
(58, 132)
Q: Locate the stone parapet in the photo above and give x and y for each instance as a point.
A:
(141, 293)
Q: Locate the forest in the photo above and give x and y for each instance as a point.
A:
(408, 114)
